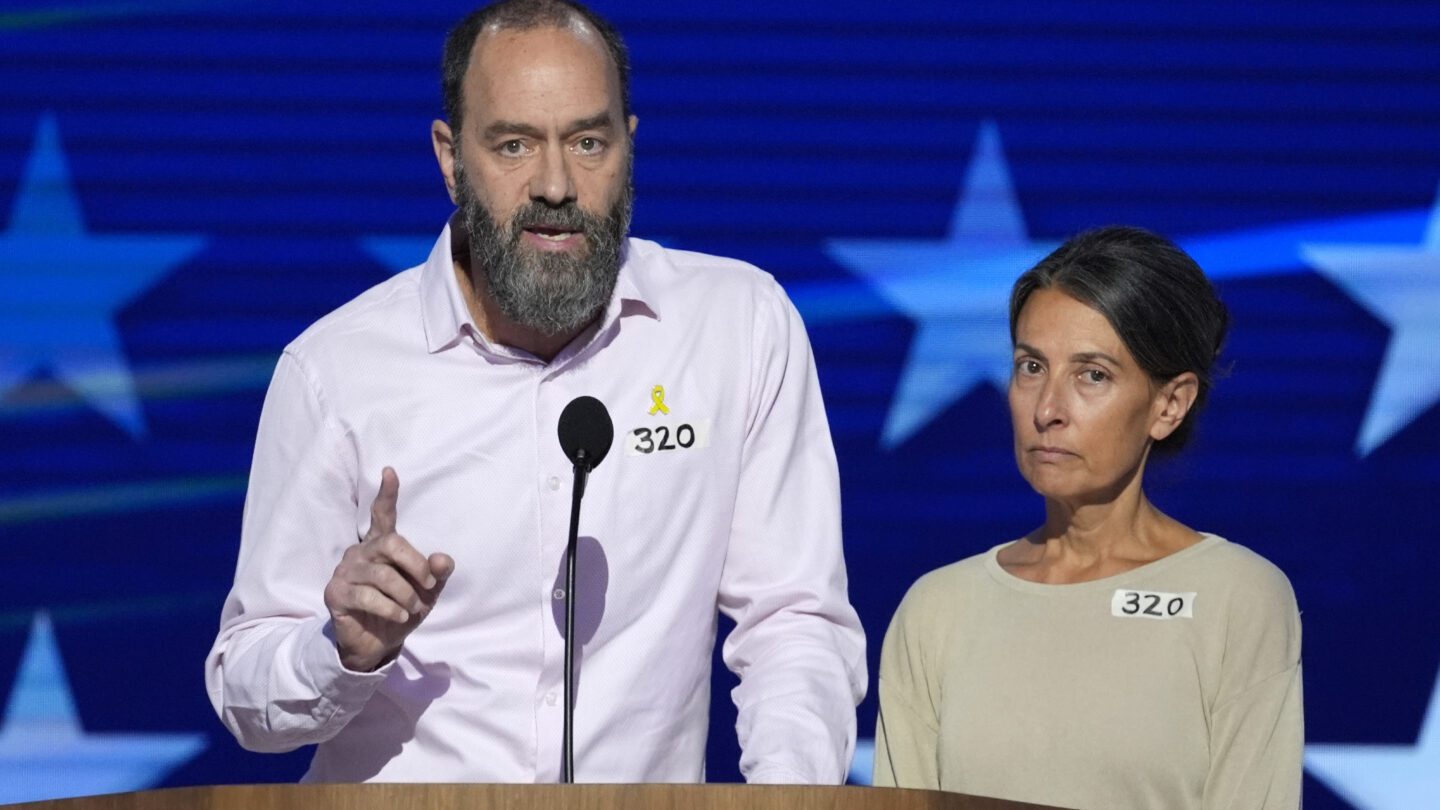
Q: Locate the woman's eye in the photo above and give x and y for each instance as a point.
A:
(1029, 367)
(1094, 375)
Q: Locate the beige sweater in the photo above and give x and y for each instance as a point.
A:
(1175, 685)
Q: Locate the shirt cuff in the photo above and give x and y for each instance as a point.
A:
(343, 692)
(777, 775)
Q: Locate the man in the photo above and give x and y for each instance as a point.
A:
(421, 419)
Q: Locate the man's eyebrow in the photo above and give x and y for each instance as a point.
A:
(601, 120)
(497, 129)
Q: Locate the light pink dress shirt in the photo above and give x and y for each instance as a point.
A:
(736, 506)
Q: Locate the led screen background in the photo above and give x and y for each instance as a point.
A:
(184, 186)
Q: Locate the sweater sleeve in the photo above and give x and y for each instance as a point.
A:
(1257, 733)
(907, 729)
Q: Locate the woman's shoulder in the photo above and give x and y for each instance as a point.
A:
(1249, 608)
(934, 608)
(1239, 577)
(1246, 568)
(947, 584)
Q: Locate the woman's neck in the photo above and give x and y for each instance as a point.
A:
(1080, 542)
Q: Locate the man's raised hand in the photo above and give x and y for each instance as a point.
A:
(383, 588)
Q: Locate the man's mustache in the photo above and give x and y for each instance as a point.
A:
(567, 217)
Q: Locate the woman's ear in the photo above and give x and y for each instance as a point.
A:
(1173, 400)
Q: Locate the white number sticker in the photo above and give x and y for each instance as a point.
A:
(1152, 605)
(667, 436)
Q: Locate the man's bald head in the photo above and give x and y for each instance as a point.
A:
(524, 15)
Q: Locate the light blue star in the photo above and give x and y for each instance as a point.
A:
(956, 290)
(862, 766)
(54, 15)
(1384, 777)
(398, 252)
(61, 288)
(1400, 286)
(44, 753)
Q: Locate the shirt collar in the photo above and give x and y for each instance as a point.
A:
(447, 317)
(442, 305)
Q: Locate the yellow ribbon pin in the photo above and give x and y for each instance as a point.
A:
(657, 396)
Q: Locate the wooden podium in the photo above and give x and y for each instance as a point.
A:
(395, 796)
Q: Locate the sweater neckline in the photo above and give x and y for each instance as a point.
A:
(999, 574)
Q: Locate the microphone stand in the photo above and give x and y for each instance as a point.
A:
(567, 764)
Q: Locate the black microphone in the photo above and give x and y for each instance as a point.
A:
(586, 434)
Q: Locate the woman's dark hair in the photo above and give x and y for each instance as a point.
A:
(522, 15)
(1154, 295)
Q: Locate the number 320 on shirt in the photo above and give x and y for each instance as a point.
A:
(1126, 604)
(666, 437)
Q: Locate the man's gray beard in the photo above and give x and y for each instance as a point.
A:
(551, 293)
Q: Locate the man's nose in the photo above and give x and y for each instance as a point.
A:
(553, 181)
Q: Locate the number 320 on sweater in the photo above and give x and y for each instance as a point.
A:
(1126, 604)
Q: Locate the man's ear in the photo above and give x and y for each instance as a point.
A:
(1173, 401)
(443, 139)
(632, 124)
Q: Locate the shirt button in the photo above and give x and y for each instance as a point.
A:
(558, 593)
(549, 698)
(553, 482)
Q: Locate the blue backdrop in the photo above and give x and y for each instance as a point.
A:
(184, 186)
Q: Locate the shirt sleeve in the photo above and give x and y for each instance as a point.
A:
(797, 644)
(274, 675)
(1257, 733)
(907, 729)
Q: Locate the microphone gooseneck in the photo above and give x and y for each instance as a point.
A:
(586, 434)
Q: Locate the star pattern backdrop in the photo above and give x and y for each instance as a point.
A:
(185, 185)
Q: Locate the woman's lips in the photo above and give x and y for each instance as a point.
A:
(1051, 453)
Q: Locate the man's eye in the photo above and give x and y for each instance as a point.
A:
(590, 146)
(512, 148)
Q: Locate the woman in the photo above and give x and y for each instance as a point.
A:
(1113, 657)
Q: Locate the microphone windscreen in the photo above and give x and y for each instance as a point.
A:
(585, 425)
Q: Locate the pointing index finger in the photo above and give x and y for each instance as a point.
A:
(382, 509)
